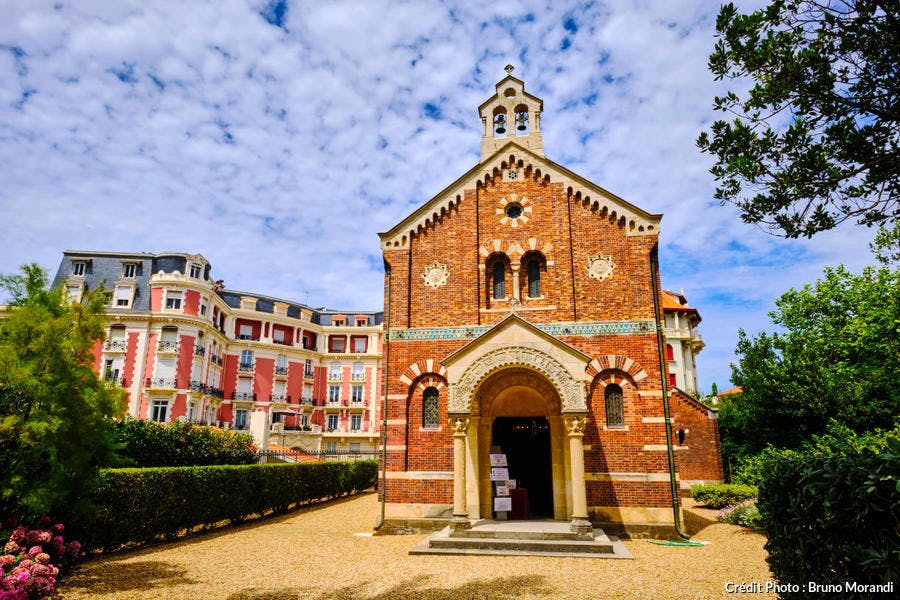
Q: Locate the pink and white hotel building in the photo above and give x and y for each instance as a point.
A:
(184, 347)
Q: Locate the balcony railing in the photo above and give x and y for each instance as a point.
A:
(244, 336)
(336, 402)
(281, 370)
(277, 398)
(334, 375)
(245, 367)
(214, 391)
(197, 386)
(116, 345)
(167, 346)
(245, 396)
(160, 382)
(199, 351)
(282, 342)
(306, 401)
(308, 374)
(357, 376)
(216, 360)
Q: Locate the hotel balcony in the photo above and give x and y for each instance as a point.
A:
(249, 338)
(199, 351)
(245, 368)
(308, 374)
(167, 347)
(164, 383)
(281, 371)
(243, 396)
(357, 376)
(356, 406)
(115, 346)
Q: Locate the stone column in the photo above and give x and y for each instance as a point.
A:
(575, 428)
(460, 426)
(515, 280)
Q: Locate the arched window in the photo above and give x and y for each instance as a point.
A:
(534, 278)
(615, 409)
(430, 408)
(499, 280)
(670, 353)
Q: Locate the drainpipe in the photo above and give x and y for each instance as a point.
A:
(384, 376)
(654, 276)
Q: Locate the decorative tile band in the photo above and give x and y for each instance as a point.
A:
(554, 329)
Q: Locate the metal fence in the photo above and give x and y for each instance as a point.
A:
(272, 456)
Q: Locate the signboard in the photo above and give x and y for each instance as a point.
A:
(498, 460)
(503, 504)
(502, 490)
(499, 474)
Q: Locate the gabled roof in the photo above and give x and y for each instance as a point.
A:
(636, 220)
(528, 334)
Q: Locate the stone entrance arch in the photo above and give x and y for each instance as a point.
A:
(516, 391)
(535, 375)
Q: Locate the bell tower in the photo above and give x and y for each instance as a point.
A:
(511, 115)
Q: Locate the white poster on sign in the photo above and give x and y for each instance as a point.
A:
(499, 474)
(511, 484)
(503, 504)
(502, 490)
(498, 460)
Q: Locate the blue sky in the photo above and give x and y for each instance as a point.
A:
(277, 138)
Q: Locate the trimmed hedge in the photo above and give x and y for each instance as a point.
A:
(145, 443)
(144, 505)
(722, 495)
(832, 518)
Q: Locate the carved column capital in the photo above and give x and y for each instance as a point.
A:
(575, 424)
(460, 425)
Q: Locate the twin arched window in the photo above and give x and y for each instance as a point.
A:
(533, 265)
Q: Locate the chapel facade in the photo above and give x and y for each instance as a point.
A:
(523, 317)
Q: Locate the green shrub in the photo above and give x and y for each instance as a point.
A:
(146, 443)
(720, 496)
(832, 518)
(143, 505)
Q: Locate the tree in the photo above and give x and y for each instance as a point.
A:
(837, 359)
(55, 413)
(816, 140)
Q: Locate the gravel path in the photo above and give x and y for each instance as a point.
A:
(316, 554)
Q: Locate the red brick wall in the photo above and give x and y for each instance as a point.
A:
(569, 232)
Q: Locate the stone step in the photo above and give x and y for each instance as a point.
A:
(534, 545)
(520, 542)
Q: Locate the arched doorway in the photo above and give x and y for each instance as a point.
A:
(518, 409)
(526, 443)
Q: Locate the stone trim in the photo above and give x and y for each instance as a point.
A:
(571, 391)
(554, 329)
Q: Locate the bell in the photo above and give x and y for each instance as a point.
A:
(501, 124)
(521, 119)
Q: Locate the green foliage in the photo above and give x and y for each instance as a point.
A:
(837, 439)
(165, 502)
(744, 514)
(55, 414)
(722, 495)
(886, 246)
(815, 139)
(151, 444)
(832, 518)
(837, 359)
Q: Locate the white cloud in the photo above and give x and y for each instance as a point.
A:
(279, 153)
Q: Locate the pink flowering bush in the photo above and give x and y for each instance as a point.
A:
(27, 569)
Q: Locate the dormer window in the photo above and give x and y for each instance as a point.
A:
(338, 321)
(129, 270)
(362, 321)
(79, 268)
(196, 271)
(123, 296)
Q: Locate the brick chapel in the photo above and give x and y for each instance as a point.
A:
(523, 317)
